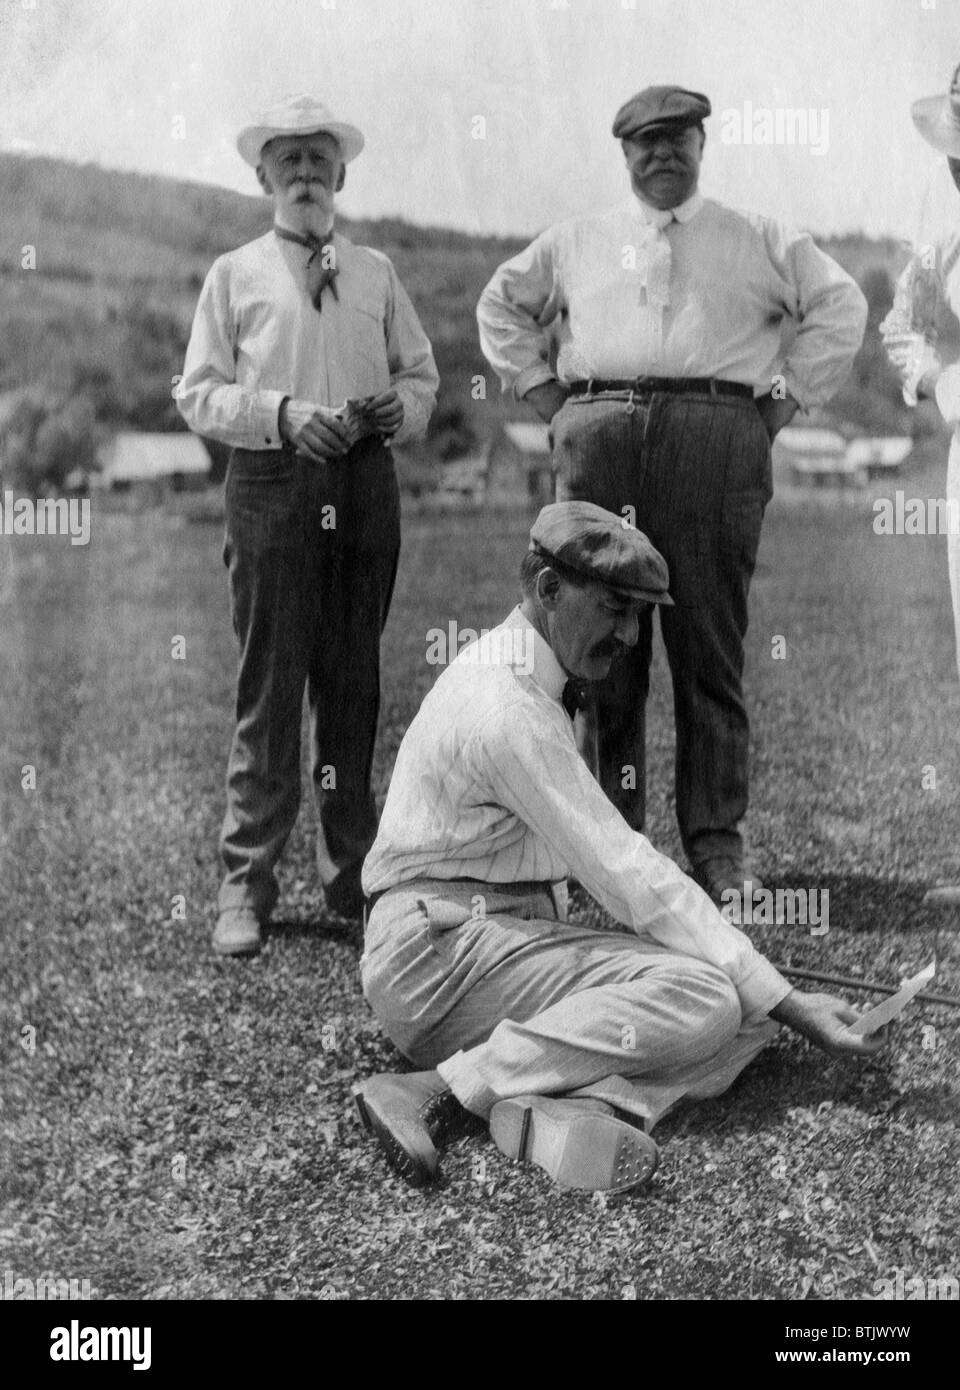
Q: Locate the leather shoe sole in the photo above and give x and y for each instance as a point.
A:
(578, 1144)
(403, 1137)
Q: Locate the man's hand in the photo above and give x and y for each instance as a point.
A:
(776, 412)
(314, 430)
(547, 398)
(916, 361)
(387, 409)
(826, 1022)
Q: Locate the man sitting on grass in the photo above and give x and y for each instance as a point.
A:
(563, 1038)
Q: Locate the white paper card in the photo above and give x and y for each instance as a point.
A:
(892, 1007)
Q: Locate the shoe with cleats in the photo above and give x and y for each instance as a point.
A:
(414, 1117)
(580, 1143)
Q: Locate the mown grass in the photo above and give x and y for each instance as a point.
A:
(177, 1126)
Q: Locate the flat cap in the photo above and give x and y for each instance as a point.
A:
(603, 546)
(660, 106)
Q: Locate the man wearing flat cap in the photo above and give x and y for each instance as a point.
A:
(563, 1038)
(652, 337)
(307, 357)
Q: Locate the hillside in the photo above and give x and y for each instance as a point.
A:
(120, 258)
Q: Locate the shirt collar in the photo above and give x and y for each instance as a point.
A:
(298, 231)
(662, 218)
(547, 671)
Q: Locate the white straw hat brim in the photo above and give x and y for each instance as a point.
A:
(936, 122)
(252, 138)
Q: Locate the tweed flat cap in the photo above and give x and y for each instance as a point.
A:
(601, 545)
(660, 106)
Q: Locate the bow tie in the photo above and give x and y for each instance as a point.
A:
(321, 267)
(574, 697)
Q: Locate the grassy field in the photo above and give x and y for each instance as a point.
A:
(175, 1126)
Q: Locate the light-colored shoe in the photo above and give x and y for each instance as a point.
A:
(237, 932)
(580, 1143)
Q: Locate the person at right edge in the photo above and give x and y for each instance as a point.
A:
(688, 334)
(930, 281)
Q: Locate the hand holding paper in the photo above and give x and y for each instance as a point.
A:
(380, 416)
(827, 1022)
(893, 1006)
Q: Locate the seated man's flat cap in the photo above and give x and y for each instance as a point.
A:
(601, 545)
(660, 106)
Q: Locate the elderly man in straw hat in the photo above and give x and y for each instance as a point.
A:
(306, 357)
(669, 380)
(563, 1038)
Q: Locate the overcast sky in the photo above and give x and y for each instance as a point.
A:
(118, 81)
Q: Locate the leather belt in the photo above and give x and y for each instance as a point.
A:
(521, 886)
(675, 385)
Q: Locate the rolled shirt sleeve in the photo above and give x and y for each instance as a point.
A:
(521, 298)
(413, 372)
(830, 312)
(530, 765)
(208, 395)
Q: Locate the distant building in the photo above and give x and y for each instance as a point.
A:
(519, 470)
(463, 481)
(826, 458)
(159, 461)
(815, 457)
(881, 457)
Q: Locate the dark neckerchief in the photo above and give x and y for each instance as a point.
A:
(574, 697)
(319, 276)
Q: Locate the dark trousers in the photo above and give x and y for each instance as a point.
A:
(312, 553)
(695, 470)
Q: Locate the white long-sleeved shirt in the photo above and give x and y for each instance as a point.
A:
(257, 338)
(735, 280)
(489, 785)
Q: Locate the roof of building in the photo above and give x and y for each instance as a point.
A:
(529, 436)
(888, 451)
(797, 439)
(131, 456)
(468, 472)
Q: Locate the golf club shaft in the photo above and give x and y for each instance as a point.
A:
(872, 986)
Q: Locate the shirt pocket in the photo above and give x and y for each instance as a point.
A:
(367, 313)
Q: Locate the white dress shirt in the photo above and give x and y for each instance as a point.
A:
(488, 784)
(257, 338)
(735, 281)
